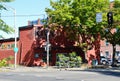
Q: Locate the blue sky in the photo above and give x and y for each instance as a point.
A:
(111, 0)
(24, 7)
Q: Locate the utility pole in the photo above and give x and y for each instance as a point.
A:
(15, 34)
(48, 46)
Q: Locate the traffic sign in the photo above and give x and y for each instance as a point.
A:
(99, 17)
(15, 49)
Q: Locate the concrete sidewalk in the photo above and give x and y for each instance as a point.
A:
(51, 68)
(25, 69)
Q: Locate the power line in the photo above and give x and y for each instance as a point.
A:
(22, 15)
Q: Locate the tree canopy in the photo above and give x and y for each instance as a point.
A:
(78, 17)
(3, 26)
(112, 32)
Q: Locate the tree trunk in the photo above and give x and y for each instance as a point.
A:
(113, 56)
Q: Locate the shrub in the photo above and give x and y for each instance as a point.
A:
(75, 61)
(3, 62)
(6, 61)
(9, 58)
(62, 60)
(68, 60)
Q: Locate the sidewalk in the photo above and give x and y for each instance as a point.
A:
(51, 68)
(25, 69)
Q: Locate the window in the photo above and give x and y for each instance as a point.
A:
(117, 53)
(107, 53)
(36, 55)
(107, 43)
(8, 46)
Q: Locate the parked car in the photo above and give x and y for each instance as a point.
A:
(118, 60)
(103, 60)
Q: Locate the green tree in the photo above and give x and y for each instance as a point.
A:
(3, 26)
(113, 37)
(78, 19)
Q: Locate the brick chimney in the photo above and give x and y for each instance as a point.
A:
(111, 4)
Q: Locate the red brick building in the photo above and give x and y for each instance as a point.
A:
(6, 48)
(32, 47)
(106, 49)
(31, 44)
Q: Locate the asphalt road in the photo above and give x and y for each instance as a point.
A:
(64, 75)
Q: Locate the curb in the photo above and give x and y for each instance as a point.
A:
(36, 69)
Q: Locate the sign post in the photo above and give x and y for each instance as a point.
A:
(48, 45)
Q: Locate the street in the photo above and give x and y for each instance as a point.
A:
(63, 75)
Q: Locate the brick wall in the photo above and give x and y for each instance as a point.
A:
(7, 49)
(26, 42)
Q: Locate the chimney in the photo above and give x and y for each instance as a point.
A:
(111, 4)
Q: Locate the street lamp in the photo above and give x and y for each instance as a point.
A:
(15, 48)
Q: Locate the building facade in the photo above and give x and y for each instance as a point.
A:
(32, 46)
(32, 43)
(106, 50)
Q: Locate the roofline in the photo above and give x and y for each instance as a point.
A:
(29, 26)
(25, 27)
(8, 39)
(20, 28)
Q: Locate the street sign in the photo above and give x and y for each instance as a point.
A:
(15, 49)
(99, 17)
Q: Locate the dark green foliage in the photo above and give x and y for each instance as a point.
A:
(3, 26)
(68, 60)
(6, 0)
(3, 62)
(75, 61)
(6, 61)
(112, 32)
(78, 19)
